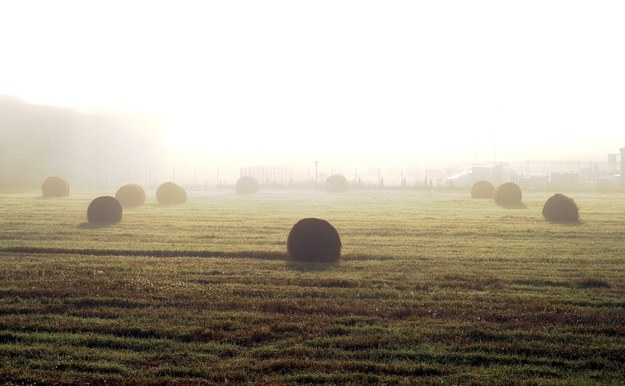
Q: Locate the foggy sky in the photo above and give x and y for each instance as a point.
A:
(394, 82)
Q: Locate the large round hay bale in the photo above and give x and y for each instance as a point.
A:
(509, 195)
(560, 208)
(314, 240)
(247, 185)
(130, 195)
(169, 193)
(55, 187)
(104, 209)
(336, 184)
(482, 189)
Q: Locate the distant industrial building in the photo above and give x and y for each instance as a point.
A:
(87, 146)
(622, 166)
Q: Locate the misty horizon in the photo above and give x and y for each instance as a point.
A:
(103, 147)
(353, 84)
(479, 151)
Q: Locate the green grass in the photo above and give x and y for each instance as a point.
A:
(432, 287)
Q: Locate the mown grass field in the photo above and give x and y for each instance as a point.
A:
(433, 287)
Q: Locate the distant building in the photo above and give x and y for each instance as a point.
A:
(38, 141)
(622, 166)
(495, 174)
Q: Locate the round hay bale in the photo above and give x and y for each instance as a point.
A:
(169, 193)
(247, 185)
(560, 208)
(509, 195)
(336, 184)
(314, 240)
(55, 187)
(482, 189)
(104, 209)
(130, 195)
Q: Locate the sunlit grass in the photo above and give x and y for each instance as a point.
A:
(432, 286)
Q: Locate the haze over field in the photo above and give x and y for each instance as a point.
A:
(400, 83)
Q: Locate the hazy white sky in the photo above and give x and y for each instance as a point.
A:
(401, 82)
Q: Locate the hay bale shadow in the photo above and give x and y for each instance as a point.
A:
(566, 224)
(96, 225)
(302, 266)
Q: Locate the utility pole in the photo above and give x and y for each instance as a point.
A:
(475, 147)
(316, 173)
(495, 145)
(622, 166)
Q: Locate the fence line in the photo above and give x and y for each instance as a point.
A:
(528, 172)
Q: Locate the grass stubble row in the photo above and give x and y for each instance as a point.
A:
(431, 287)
